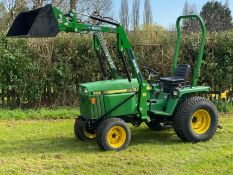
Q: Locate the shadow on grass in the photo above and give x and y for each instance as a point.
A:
(73, 145)
(49, 145)
(145, 135)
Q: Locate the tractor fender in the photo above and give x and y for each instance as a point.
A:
(180, 95)
(191, 90)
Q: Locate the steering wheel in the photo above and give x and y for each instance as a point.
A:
(151, 72)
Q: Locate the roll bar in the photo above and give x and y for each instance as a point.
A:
(201, 49)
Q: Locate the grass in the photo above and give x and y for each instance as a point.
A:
(43, 113)
(49, 147)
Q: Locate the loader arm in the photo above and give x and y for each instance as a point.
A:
(48, 21)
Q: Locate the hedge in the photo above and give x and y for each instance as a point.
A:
(46, 72)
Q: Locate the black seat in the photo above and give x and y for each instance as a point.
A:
(180, 78)
(181, 74)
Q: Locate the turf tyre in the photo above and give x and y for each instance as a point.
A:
(103, 132)
(81, 132)
(183, 119)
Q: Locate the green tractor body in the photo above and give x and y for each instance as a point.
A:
(99, 98)
(106, 106)
(118, 98)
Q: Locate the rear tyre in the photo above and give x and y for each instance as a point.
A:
(155, 125)
(196, 120)
(82, 132)
(113, 134)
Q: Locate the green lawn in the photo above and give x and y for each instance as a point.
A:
(42, 113)
(49, 147)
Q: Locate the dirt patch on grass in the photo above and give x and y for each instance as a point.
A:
(1, 162)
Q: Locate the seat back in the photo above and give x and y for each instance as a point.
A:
(182, 70)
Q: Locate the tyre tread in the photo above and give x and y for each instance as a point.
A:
(182, 111)
(102, 129)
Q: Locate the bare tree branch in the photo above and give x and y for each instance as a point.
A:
(148, 15)
(135, 14)
(73, 4)
(190, 25)
(104, 7)
(124, 14)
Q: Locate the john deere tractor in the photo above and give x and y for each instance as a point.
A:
(107, 106)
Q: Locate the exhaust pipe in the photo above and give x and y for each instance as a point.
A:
(35, 23)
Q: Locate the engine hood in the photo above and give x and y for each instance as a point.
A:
(109, 85)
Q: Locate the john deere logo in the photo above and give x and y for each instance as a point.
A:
(95, 28)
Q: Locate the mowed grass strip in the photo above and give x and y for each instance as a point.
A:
(49, 147)
(42, 113)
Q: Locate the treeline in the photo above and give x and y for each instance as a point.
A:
(47, 72)
(216, 14)
(9, 9)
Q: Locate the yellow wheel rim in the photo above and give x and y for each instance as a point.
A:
(201, 121)
(88, 134)
(116, 136)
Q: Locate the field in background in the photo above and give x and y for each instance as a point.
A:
(49, 147)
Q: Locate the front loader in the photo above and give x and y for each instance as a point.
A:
(107, 106)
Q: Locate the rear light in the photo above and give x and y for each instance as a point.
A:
(93, 101)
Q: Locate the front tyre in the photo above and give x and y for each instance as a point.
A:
(82, 132)
(196, 120)
(113, 134)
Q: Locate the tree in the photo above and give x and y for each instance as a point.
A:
(12, 9)
(135, 14)
(217, 16)
(37, 3)
(186, 8)
(73, 4)
(15, 6)
(104, 7)
(63, 5)
(124, 14)
(148, 15)
(227, 3)
(3, 14)
(2, 10)
(190, 25)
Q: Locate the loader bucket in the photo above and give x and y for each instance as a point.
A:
(35, 23)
